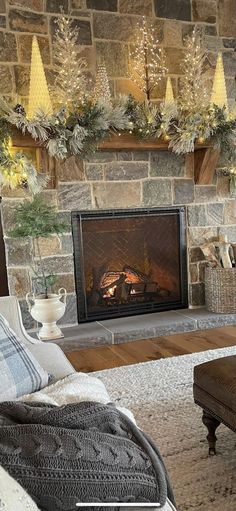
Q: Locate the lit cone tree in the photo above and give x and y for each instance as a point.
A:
(194, 93)
(101, 88)
(169, 102)
(147, 59)
(70, 84)
(169, 96)
(219, 93)
(169, 111)
(39, 98)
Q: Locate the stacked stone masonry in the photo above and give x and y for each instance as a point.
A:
(107, 29)
(119, 179)
(122, 180)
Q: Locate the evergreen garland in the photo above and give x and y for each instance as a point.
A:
(79, 132)
(81, 123)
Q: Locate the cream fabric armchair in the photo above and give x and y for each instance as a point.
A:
(49, 355)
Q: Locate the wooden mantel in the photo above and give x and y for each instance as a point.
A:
(205, 156)
(130, 142)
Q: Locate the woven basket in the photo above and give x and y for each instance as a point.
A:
(220, 289)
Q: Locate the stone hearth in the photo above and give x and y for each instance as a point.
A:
(116, 331)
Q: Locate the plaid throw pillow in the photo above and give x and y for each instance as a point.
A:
(20, 373)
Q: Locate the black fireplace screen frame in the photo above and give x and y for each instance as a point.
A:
(77, 219)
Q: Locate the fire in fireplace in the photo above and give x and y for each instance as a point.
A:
(129, 261)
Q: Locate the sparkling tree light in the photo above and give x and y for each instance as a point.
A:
(147, 59)
(194, 93)
(70, 66)
(101, 88)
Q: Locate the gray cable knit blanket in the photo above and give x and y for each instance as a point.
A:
(82, 452)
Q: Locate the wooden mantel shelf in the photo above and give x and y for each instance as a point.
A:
(130, 142)
(205, 156)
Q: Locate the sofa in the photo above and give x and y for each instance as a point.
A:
(49, 355)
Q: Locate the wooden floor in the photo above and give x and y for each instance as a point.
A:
(105, 357)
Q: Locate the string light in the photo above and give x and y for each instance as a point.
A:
(147, 59)
(201, 140)
(166, 137)
(194, 93)
(71, 83)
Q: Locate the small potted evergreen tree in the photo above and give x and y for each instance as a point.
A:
(35, 219)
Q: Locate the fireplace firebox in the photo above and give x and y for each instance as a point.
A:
(129, 261)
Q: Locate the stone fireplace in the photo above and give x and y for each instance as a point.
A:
(129, 262)
(128, 180)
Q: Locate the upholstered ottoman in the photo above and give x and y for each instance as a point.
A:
(214, 390)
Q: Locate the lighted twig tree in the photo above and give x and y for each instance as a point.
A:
(70, 66)
(147, 59)
(194, 92)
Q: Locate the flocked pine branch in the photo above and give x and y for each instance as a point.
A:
(5, 108)
(168, 120)
(37, 127)
(18, 170)
(114, 116)
(70, 66)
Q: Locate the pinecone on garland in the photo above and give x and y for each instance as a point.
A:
(19, 109)
(24, 184)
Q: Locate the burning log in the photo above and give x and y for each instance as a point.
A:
(122, 286)
(109, 279)
(135, 276)
(114, 284)
(132, 276)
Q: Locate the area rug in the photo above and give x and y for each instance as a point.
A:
(159, 393)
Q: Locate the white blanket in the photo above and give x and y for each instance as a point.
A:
(75, 388)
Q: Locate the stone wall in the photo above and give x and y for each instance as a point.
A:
(107, 29)
(123, 180)
(119, 179)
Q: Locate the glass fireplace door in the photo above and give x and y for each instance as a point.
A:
(129, 262)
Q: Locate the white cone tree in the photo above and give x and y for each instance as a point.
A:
(39, 98)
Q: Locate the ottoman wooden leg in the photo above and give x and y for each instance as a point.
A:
(211, 423)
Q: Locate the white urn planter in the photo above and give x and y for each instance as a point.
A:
(48, 311)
